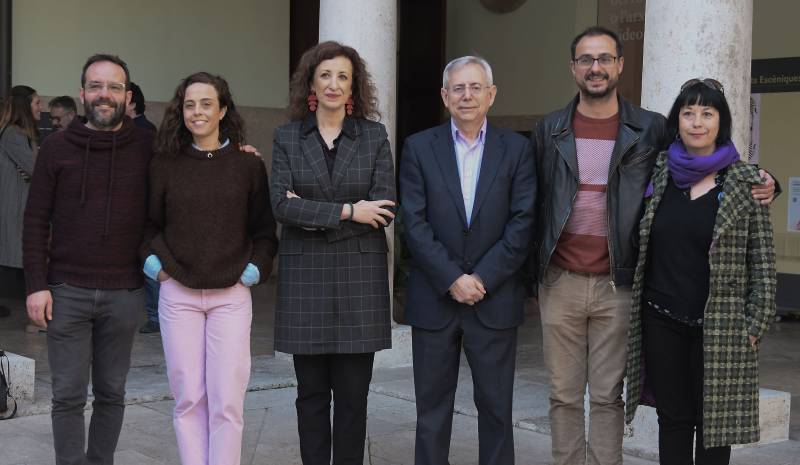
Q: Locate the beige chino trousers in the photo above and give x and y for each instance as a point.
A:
(585, 329)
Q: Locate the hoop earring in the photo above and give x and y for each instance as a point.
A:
(312, 100)
(349, 106)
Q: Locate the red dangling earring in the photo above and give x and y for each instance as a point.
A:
(349, 106)
(312, 100)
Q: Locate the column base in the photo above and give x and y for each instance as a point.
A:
(641, 436)
(21, 377)
(400, 353)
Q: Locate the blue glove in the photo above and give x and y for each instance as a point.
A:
(250, 276)
(152, 266)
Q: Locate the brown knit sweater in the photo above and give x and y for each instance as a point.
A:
(209, 216)
(91, 186)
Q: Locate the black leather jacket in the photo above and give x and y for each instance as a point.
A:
(641, 136)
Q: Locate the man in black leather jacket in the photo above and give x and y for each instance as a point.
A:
(593, 162)
(639, 140)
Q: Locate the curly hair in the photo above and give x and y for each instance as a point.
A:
(365, 102)
(173, 136)
(16, 111)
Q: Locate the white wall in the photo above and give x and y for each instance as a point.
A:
(163, 41)
(776, 35)
(528, 49)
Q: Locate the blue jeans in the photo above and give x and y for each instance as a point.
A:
(151, 288)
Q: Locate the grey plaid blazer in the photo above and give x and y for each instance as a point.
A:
(333, 288)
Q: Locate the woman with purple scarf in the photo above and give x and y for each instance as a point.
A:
(704, 288)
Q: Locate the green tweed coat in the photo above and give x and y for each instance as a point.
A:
(741, 302)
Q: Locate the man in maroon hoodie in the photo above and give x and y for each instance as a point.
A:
(84, 282)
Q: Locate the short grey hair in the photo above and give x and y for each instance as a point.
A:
(459, 63)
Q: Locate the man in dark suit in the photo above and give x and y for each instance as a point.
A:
(467, 199)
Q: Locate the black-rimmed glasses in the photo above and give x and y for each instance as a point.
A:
(587, 61)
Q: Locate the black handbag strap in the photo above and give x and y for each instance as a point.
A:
(6, 374)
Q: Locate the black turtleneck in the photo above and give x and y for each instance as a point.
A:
(677, 275)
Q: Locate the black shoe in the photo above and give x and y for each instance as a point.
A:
(4, 311)
(150, 327)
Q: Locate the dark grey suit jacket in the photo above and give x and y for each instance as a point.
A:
(494, 245)
(333, 288)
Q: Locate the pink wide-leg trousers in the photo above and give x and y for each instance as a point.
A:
(206, 337)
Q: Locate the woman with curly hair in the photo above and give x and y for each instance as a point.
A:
(210, 236)
(333, 191)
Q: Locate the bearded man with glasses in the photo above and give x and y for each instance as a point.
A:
(84, 282)
(594, 159)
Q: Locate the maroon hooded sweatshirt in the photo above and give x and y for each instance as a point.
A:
(91, 187)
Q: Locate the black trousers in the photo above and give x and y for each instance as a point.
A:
(348, 377)
(674, 361)
(91, 332)
(491, 354)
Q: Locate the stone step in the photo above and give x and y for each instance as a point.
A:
(20, 376)
(641, 437)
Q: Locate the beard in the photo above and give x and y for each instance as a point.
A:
(94, 116)
(597, 93)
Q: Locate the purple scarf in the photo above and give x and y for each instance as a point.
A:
(687, 170)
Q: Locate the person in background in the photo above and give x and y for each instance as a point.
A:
(62, 112)
(18, 121)
(136, 108)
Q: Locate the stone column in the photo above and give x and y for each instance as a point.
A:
(370, 27)
(685, 39)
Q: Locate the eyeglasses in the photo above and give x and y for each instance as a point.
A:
(94, 87)
(708, 82)
(474, 89)
(587, 61)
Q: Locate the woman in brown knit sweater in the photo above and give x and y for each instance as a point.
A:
(210, 236)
